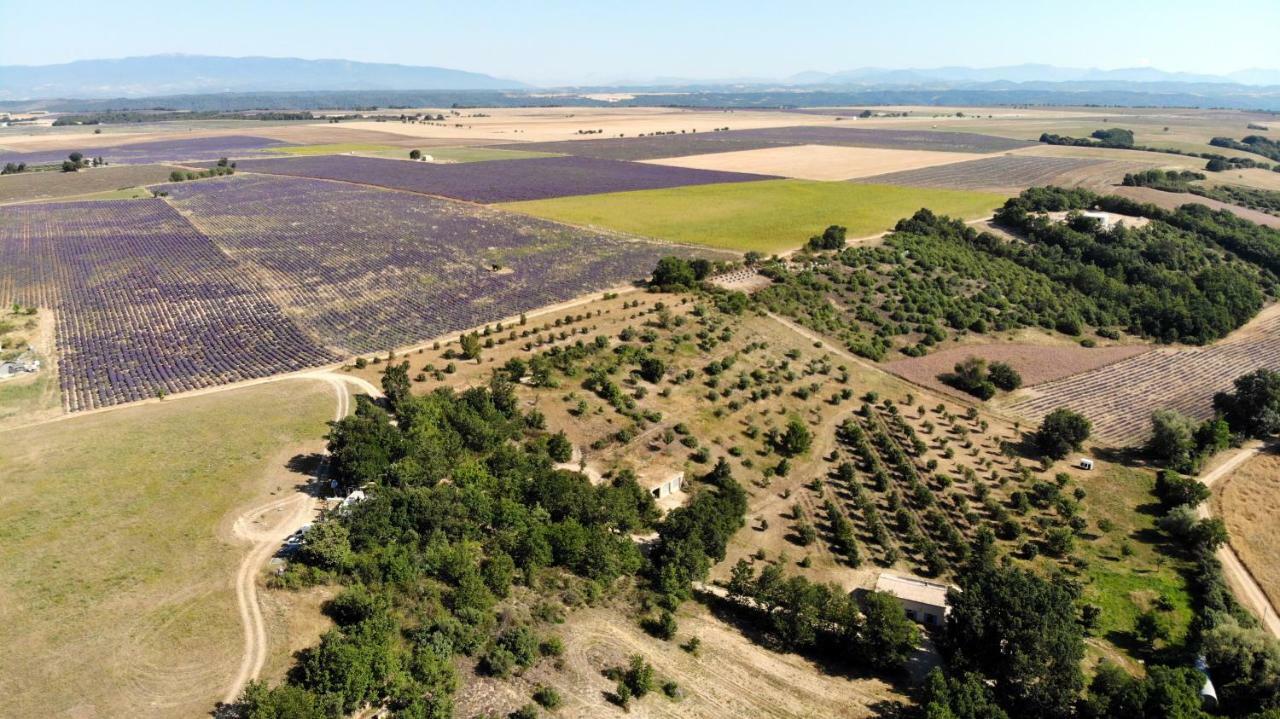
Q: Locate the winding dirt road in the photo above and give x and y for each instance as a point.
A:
(1237, 574)
(266, 527)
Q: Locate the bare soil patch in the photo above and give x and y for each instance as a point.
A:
(1249, 502)
(1036, 363)
(818, 162)
(730, 677)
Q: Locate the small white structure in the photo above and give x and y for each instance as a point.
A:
(19, 366)
(665, 486)
(1086, 463)
(925, 602)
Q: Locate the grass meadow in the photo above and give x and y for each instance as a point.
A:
(117, 566)
(767, 216)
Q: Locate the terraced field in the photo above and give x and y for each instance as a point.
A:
(1119, 398)
(499, 180)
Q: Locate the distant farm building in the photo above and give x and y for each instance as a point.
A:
(924, 601)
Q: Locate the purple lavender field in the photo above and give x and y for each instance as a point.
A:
(143, 302)
(699, 143)
(498, 180)
(200, 149)
(364, 269)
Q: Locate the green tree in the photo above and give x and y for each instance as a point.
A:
(470, 345)
(559, 448)
(327, 545)
(415, 154)
(395, 383)
(888, 638)
(1004, 376)
(673, 273)
(1253, 408)
(1062, 431)
(796, 439)
(1172, 441)
(1020, 631)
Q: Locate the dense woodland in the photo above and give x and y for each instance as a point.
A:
(1192, 275)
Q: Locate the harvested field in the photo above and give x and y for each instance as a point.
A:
(202, 149)
(731, 677)
(541, 124)
(117, 561)
(1015, 172)
(497, 181)
(652, 148)
(766, 216)
(1249, 502)
(1174, 200)
(1036, 363)
(144, 302)
(28, 186)
(365, 269)
(816, 162)
(1120, 397)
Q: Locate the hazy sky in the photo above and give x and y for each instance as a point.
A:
(555, 42)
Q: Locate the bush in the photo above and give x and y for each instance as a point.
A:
(547, 697)
(1004, 376)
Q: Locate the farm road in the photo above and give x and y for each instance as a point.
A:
(1238, 576)
(255, 526)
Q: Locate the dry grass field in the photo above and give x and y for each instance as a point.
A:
(1249, 502)
(730, 677)
(117, 565)
(29, 398)
(539, 124)
(818, 162)
(34, 186)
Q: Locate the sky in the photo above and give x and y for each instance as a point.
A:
(558, 42)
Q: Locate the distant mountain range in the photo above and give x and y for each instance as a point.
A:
(1025, 73)
(201, 74)
(126, 82)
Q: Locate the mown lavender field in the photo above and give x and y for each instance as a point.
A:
(698, 143)
(364, 269)
(200, 149)
(145, 304)
(498, 180)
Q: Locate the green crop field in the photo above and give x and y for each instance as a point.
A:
(117, 565)
(766, 216)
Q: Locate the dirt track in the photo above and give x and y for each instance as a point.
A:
(1238, 577)
(256, 526)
